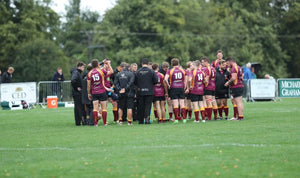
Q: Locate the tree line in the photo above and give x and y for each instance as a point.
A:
(35, 40)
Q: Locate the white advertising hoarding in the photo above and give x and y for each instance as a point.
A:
(18, 91)
(262, 88)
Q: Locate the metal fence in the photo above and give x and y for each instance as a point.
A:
(62, 90)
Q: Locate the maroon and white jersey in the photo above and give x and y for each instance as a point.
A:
(159, 87)
(177, 76)
(238, 82)
(197, 83)
(211, 72)
(96, 76)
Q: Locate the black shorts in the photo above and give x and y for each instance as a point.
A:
(177, 93)
(159, 98)
(188, 96)
(99, 97)
(195, 98)
(209, 92)
(236, 92)
(125, 101)
(222, 96)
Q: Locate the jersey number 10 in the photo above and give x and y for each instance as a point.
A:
(178, 75)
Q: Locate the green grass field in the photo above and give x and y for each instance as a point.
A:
(46, 143)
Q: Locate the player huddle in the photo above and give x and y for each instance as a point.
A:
(202, 88)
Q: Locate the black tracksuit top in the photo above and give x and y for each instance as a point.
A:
(145, 80)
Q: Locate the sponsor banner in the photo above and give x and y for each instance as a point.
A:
(19, 91)
(289, 88)
(262, 88)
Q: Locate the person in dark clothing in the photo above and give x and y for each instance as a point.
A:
(87, 104)
(0, 76)
(116, 71)
(57, 77)
(146, 78)
(7, 76)
(133, 68)
(76, 82)
(164, 68)
(112, 77)
(222, 92)
(124, 86)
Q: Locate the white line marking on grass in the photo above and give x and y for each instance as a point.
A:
(205, 145)
(29, 149)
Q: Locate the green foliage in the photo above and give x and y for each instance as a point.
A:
(264, 31)
(75, 36)
(290, 30)
(190, 29)
(22, 22)
(37, 61)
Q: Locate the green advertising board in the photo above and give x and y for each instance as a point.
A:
(289, 88)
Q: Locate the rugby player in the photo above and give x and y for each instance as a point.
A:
(236, 86)
(188, 103)
(159, 100)
(107, 80)
(210, 87)
(176, 81)
(97, 91)
(164, 68)
(196, 90)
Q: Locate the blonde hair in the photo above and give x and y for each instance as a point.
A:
(11, 69)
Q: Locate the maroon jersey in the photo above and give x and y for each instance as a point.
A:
(96, 76)
(159, 87)
(107, 81)
(176, 79)
(211, 72)
(215, 64)
(197, 82)
(238, 82)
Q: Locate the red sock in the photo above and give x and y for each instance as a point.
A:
(95, 116)
(176, 113)
(206, 112)
(183, 112)
(115, 113)
(196, 111)
(155, 113)
(203, 114)
(235, 111)
(220, 109)
(226, 111)
(209, 114)
(241, 117)
(190, 113)
(215, 109)
(104, 116)
(170, 115)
